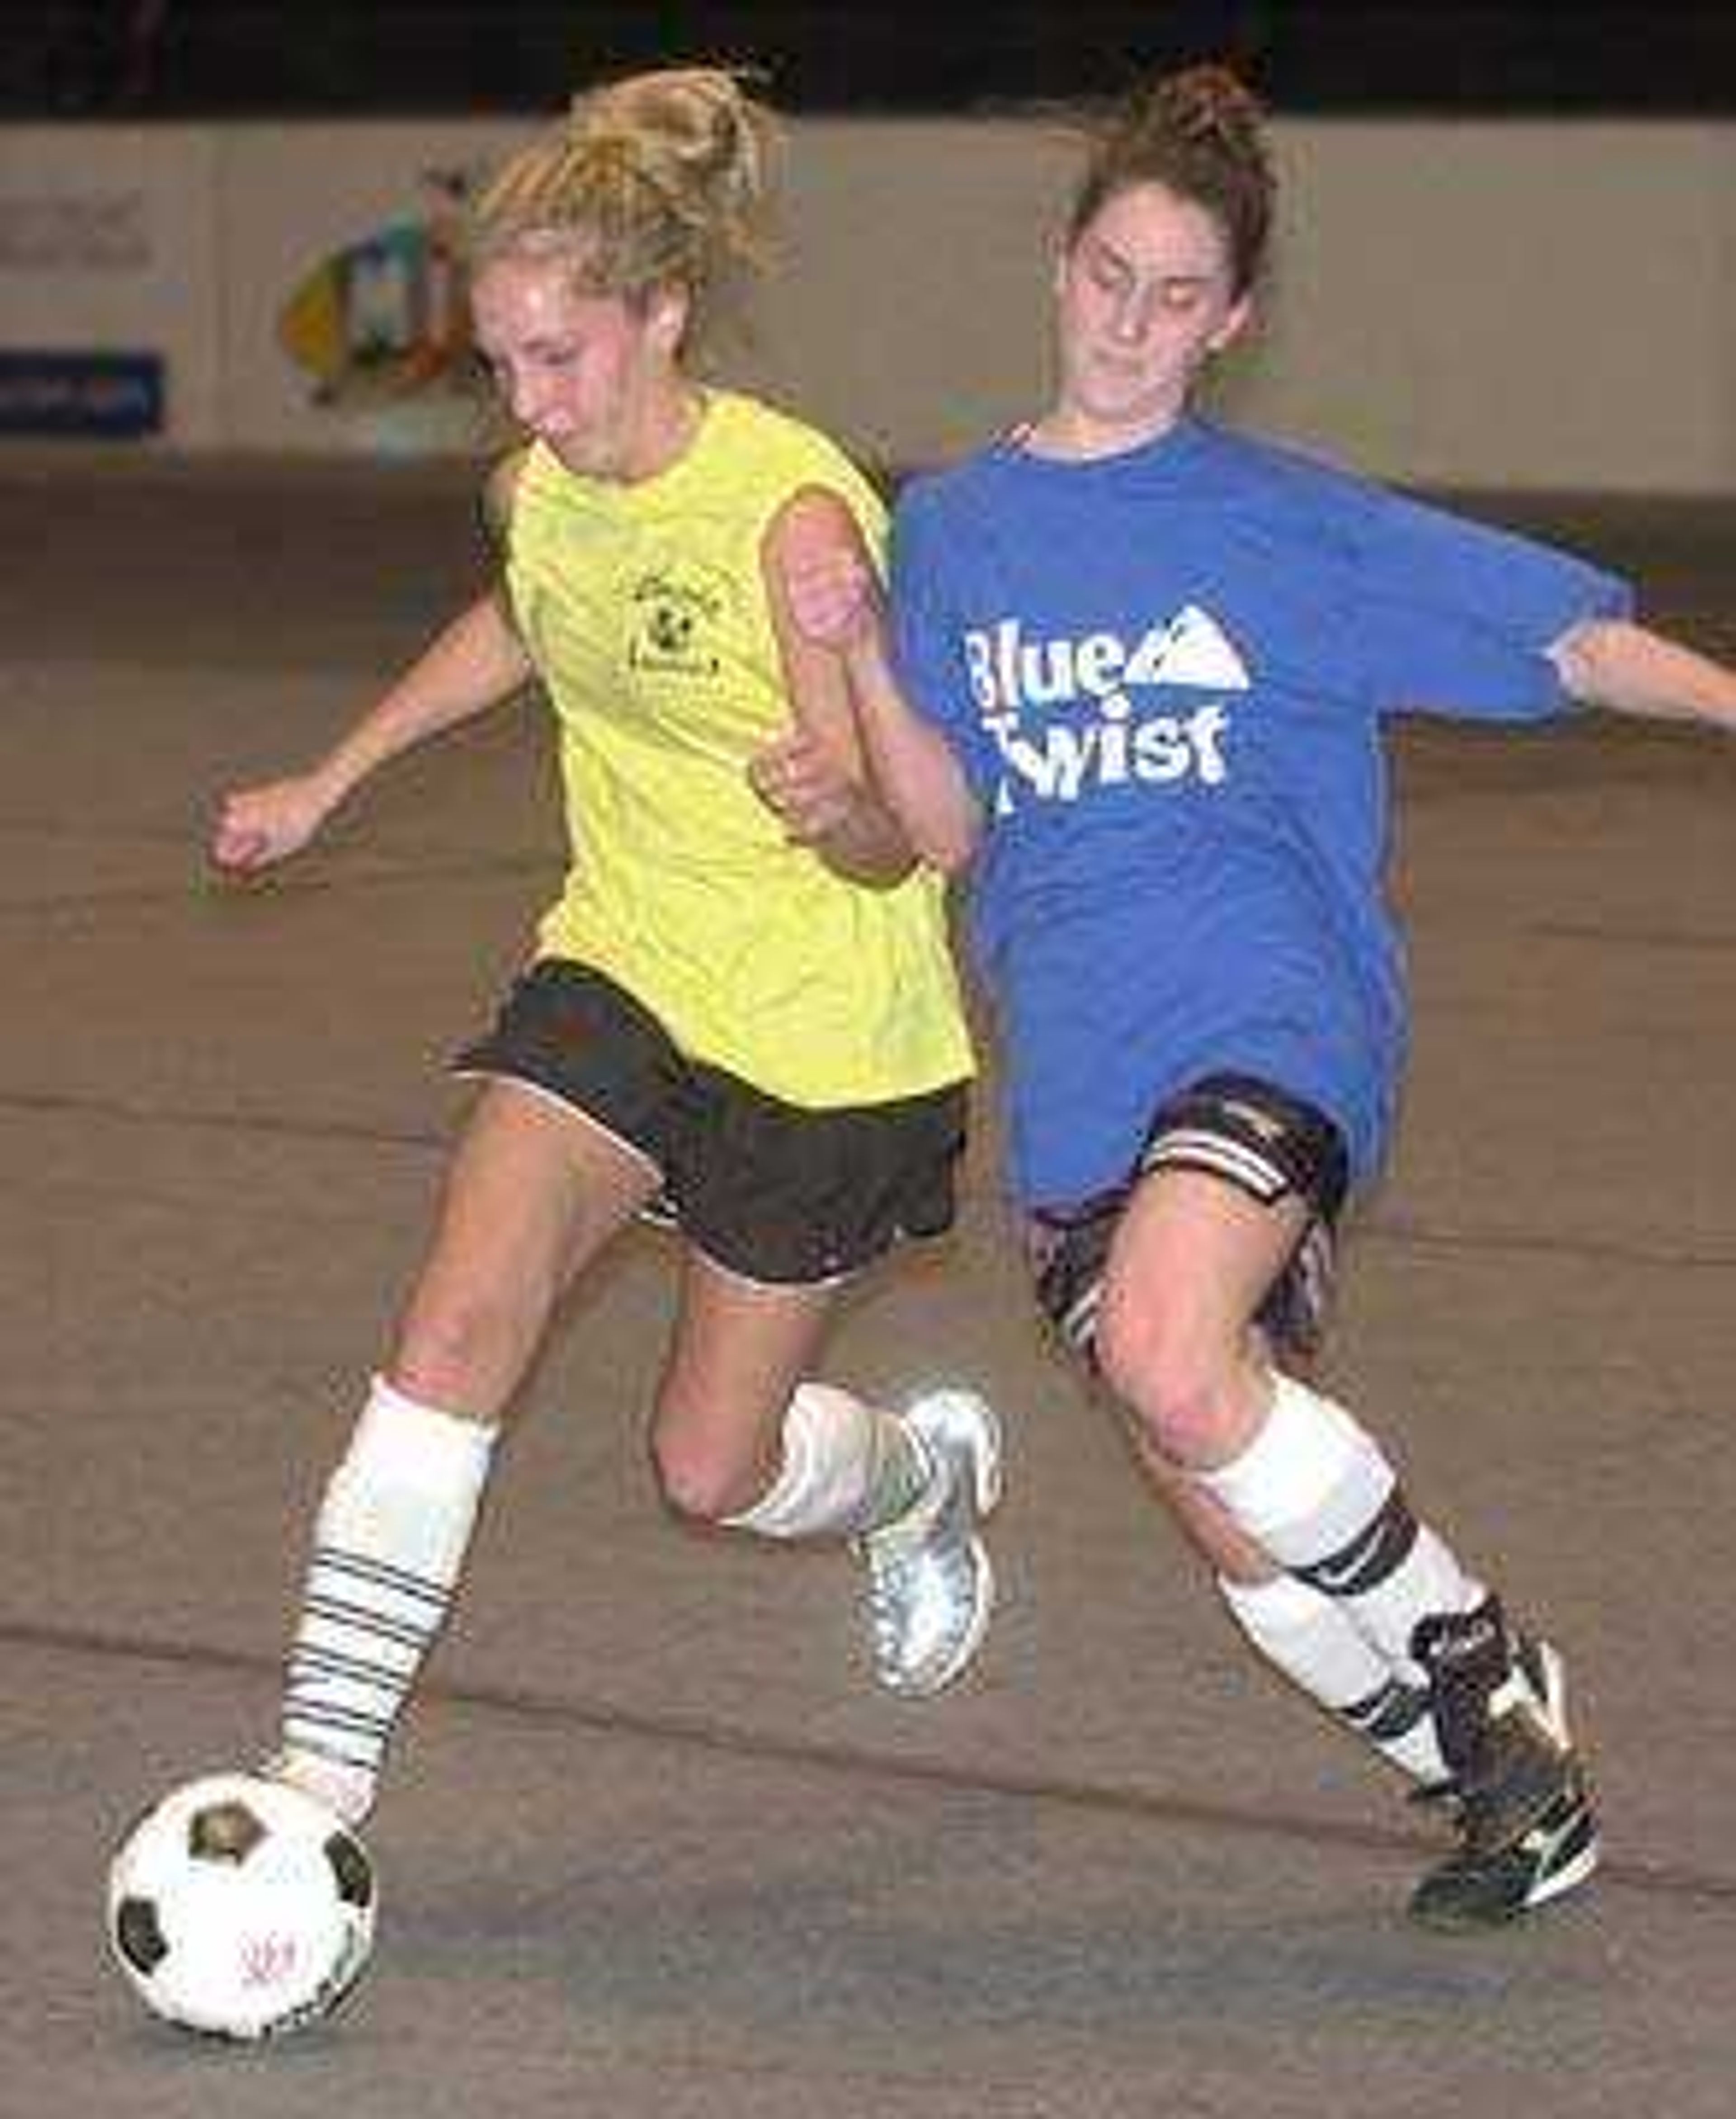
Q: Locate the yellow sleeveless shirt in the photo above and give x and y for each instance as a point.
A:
(644, 610)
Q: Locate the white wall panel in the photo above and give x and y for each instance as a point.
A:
(1498, 303)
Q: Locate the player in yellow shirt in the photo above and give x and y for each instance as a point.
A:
(757, 1039)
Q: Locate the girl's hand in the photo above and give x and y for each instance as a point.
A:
(805, 787)
(833, 595)
(258, 826)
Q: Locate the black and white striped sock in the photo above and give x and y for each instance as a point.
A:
(1317, 1492)
(389, 1545)
(1314, 1642)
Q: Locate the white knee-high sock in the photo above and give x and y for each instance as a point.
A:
(389, 1545)
(1314, 1642)
(847, 1467)
(1315, 1490)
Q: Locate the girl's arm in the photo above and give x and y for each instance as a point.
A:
(476, 662)
(815, 777)
(1630, 670)
(834, 599)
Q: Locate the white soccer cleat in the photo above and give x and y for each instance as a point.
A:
(930, 1585)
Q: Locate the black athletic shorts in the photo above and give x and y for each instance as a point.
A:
(1250, 1133)
(773, 1191)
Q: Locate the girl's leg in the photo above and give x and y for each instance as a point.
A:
(743, 1437)
(1307, 1637)
(533, 1192)
(1292, 1471)
(1298, 1478)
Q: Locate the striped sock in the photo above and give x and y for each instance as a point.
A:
(1314, 1642)
(389, 1544)
(1317, 1492)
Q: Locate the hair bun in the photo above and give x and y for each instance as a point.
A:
(654, 180)
(1200, 135)
(698, 118)
(1209, 103)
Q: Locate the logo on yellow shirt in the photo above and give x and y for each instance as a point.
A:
(679, 610)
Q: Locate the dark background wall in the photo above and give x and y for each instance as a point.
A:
(236, 57)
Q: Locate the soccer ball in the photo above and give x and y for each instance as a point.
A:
(241, 1907)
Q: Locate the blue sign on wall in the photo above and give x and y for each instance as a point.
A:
(116, 395)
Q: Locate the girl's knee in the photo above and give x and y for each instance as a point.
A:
(465, 1354)
(1178, 1383)
(702, 1472)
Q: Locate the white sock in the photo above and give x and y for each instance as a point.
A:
(847, 1467)
(1315, 1643)
(389, 1545)
(1315, 1490)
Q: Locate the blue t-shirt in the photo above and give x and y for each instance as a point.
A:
(1166, 674)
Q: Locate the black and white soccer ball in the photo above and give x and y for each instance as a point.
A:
(241, 1907)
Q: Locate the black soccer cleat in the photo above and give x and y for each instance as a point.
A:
(1519, 1795)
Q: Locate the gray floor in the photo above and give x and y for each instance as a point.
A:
(652, 1845)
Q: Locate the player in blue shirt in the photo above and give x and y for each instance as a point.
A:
(1138, 681)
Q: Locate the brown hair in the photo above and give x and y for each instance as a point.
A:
(1200, 134)
(657, 180)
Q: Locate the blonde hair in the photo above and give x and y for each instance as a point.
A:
(1200, 134)
(659, 180)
